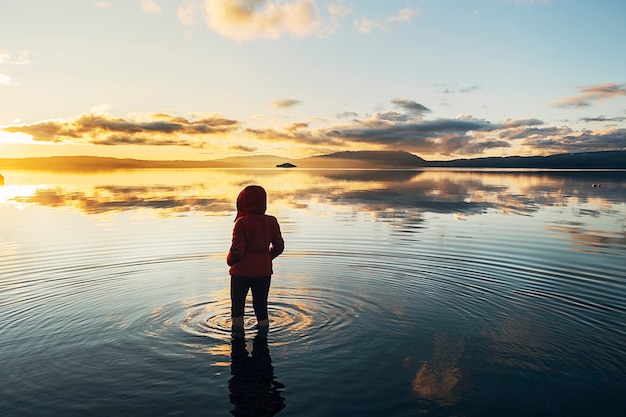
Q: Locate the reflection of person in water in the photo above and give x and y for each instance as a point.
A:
(254, 390)
(256, 242)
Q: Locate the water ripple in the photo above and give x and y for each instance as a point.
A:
(298, 315)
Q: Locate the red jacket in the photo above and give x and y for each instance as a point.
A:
(256, 236)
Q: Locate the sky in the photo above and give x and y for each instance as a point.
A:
(207, 79)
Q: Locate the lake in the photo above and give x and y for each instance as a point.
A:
(400, 293)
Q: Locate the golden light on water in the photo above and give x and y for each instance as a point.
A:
(9, 194)
(167, 192)
(314, 195)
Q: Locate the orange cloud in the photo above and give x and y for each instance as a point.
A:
(245, 20)
(156, 130)
(283, 103)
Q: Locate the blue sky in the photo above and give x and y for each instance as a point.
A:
(204, 79)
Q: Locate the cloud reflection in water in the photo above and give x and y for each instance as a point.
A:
(399, 196)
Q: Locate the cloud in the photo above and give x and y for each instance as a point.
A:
(7, 58)
(347, 114)
(512, 123)
(601, 119)
(391, 116)
(337, 11)
(443, 136)
(244, 20)
(295, 134)
(404, 129)
(284, 103)
(404, 15)
(243, 148)
(401, 127)
(366, 25)
(150, 6)
(556, 140)
(407, 130)
(591, 94)
(411, 106)
(152, 130)
(189, 12)
(339, 8)
(247, 20)
(454, 88)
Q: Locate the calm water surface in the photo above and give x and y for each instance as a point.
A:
(400, 293)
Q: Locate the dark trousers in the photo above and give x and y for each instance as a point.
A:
(260, 287)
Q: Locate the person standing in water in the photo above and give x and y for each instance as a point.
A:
(257, 240)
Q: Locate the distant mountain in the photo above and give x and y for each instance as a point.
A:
(586, 160)
(363, 159)
(254, 161)
(348, 159)
(96, 163)
(401, 159)
(339, 160)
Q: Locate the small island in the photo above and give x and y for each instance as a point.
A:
(286, 165)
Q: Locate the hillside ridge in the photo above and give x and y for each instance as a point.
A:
(347, 159)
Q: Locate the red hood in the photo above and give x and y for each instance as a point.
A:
(251, 200)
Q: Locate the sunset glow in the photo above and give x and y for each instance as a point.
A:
(7, 138)
(208, 79)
